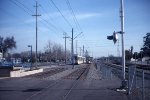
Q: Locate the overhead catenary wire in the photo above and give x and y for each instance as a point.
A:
(75, 20)
(61, 14)
(25, 10)
(44, 21)
(52, 20)
(25, 6)
(9, 13)
(74, 17)
(29, 12)
(58, 35)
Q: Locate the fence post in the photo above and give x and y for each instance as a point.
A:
(135, 77)
(128, 80)
(143, 90)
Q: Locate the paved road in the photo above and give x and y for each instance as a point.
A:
(33, 89)
(92, 88)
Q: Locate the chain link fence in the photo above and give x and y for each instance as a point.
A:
(138, 79)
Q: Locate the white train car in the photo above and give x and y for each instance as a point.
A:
(79, 59)
(89, 60)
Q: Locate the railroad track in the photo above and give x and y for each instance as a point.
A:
(46, 73)
(78, 74)
(81, 73)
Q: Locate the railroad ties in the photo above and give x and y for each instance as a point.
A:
(80, 73)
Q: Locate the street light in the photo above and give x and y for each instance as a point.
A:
(30, 56)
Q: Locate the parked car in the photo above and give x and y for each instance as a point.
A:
(6, 64)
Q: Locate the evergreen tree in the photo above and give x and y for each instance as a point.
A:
(146, 46)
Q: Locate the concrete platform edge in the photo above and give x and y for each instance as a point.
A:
(21, 73)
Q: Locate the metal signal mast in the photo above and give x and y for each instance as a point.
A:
(114, 37)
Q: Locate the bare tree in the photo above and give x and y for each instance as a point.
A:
(7, 44)
(55, 52)
(48, 51)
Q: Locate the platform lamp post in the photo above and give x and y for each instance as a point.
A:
(30, 56)
(114, 37)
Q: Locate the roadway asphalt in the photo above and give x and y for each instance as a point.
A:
(45, 89)
(33, 89)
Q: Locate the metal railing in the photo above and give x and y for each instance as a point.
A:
(138, 79)
(138, 84)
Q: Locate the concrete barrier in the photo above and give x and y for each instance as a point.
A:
(5, 71)
(20, 73)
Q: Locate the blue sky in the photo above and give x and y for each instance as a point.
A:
(97, 19)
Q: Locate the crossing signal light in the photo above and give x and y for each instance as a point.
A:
(113, 37)
(110, 37)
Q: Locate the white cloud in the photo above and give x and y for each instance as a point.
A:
(67, 14)
(48, 16)
(87, 15)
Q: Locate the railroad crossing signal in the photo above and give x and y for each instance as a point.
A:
(113, 37)
(110, 37)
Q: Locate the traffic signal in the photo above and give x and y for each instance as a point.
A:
(113, 37)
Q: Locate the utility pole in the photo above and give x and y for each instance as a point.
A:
(65, 37)
(36, 16)
(72, 51)
(83, 54)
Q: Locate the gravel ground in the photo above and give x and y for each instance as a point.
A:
(61, 74)
(93, 74)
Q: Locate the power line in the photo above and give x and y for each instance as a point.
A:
(24, 6)
(49, 23)
(73, 14)
(8, 13)
(75, 19)
(51, 19)
(61, 13)
(51, 29)
(26, 9)
(44, 19)
(19, 6)
(54, 27)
